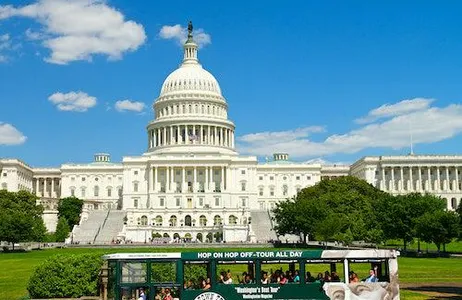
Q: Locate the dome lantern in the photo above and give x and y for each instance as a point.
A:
(190, 48)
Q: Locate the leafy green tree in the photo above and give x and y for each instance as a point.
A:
(70, 208)
(347, 203)
(39, 231)
(398, 215)
(439, 227)
(62, 230)
(20, 217)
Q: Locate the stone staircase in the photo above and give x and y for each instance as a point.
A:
(112, 226)
(86, 232)
(262, 226)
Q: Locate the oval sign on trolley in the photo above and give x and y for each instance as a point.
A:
(209, 296)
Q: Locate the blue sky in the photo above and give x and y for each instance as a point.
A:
(335, 80)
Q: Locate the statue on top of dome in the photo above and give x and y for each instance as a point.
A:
(190, 28)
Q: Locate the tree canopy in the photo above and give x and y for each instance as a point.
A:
(70, 208)
(347, 208)
(20, 217)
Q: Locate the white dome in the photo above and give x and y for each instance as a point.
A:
(190, 77)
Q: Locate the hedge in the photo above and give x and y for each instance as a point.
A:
(64, 276)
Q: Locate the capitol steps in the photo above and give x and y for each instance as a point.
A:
(111, 228)
(86, 232)
(262, 226)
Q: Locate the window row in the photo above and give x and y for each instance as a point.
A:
(187, 221)
(284, 190)
(261, 177)
(177, 109)
(96, 191)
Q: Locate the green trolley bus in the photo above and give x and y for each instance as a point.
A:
(235, 275)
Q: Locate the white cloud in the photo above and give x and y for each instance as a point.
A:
(128, 105)
(79, 29)
(397, 109)
(429, 125)
(5, 44)
(9, 135)
(180, 34)
(73, 101)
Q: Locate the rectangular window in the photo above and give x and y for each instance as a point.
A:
(4, 174)
(83, 193)
(83, 178)
(243, 186)
(260, 178)
(217, 201)
(135, 186)
(297, 178)
(134, 272)
(272, 192)
(135, 172)
(72, 192)
(308, 177)
(243, 202)
(163, 272)
(96, 192)
(236, 272)
(290, 270)
(193, 268)
(260, 192)
(201, 201)
(271, 178)
(161, 201)
(109, 192)
(72, 178)
(135, 203)
(177, 201)
(243, 172)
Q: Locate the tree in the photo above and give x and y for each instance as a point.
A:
(439, 227)
(347, 203)
(20, 217)
(70, 208)
(398, 215)
(62, 230)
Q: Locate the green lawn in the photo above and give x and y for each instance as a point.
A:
(454, 246)
(16, 268)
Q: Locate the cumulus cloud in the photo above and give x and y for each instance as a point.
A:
(128, 105)
(397, 109)
(5, 44)
(79, 29)
(9, 135)
(179, 34)
(428, 125)
(73, 101)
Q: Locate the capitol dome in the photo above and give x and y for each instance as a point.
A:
(190, 77)
(190, 114)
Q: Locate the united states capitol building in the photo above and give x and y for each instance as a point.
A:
(191, 184)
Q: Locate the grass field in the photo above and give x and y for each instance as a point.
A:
(454, 246)
(16, 268)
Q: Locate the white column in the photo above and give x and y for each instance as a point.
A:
(457, 178)
(202, 134)
(383, 184)
(446, 187)
(183, 180)
(36, 187)
(194, 134)
(225, 179)
(194, 185)
(401, 178)
(154, 181)
(438, 178)
(411, 179)
(226, 138)
(171, 135)
(164, 136)
(208, 137)
(392, 179)
(167, 179)
(206, 183)
(52, 188)
(211, 185)
(222, 177)
(215, 136)
(420, 179)
(232, 138)
(429, 179)
(150, 179)
(221, 136)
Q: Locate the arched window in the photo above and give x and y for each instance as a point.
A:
(144, 221)
(285, 190)
(96, 191)
(203, 220)
(187, 220)
(166, 235)
(173, 220)
(271, 190)
(176, 236)
(72, 191)
(82, 192)
(260, 191)
(217, 220)
(109, 191)
(199, 237)
(159, 220)
(232, 220)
